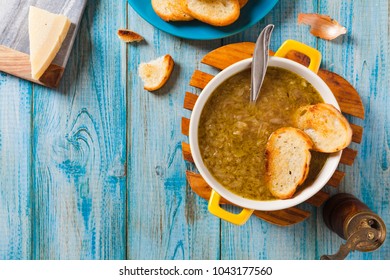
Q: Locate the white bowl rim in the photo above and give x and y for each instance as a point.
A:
(321, 179)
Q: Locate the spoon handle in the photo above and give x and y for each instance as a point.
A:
(260, 61)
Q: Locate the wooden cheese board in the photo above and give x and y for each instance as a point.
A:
(14, 37)
(347, 97)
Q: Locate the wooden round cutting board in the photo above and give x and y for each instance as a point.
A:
(347, 97)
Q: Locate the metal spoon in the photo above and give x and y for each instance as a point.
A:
(260, 61)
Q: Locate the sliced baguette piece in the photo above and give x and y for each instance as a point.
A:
(242, 3)
(287, 161)
(326, 126)
(129, 36)
(170, 10)
(214, 12)
(156, 73)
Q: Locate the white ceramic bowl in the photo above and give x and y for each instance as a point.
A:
(322, 178)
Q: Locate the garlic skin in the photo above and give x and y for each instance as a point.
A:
(322, 26)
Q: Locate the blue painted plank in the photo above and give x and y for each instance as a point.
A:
(258, 239)
(79, 146)
(166, 220)
(362, 57)
(15, 173)
(81, 203)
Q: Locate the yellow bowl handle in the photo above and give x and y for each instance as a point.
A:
(215, 209)
(292, 45)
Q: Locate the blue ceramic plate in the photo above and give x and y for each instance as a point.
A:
(254, 11)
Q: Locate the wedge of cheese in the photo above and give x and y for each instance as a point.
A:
(47, 31)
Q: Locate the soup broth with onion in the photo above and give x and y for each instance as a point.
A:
(233, 132)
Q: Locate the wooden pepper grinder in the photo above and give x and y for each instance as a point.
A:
(353, 221)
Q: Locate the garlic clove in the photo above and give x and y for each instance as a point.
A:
(322, 26)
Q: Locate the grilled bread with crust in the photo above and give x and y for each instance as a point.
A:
(156, 73)
(242, 3)
(325, 125)
(214, 12)
(129, 36)
(287, 161)
(170, 10)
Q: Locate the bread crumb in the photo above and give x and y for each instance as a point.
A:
(156, 73)
(129, 36)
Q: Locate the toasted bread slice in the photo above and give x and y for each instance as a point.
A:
(287, 161)
(214, 12)
(156, 73)
(326, 126)
(129, 36)
(242, 3)
(170, 10)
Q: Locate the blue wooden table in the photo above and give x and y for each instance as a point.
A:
(93, 170)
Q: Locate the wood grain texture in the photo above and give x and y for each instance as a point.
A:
(79, 147)
(285, 217)
(357, 133)
(185, 126)
(186, 150)
(189, 101)
(18, 64)
(63, 186)
(236, 52)
(318, 199)
(346, 95)
(200, 186)
(200, 79)
(336, 178)
(166, 220)
(15, 172)
(348, 156)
